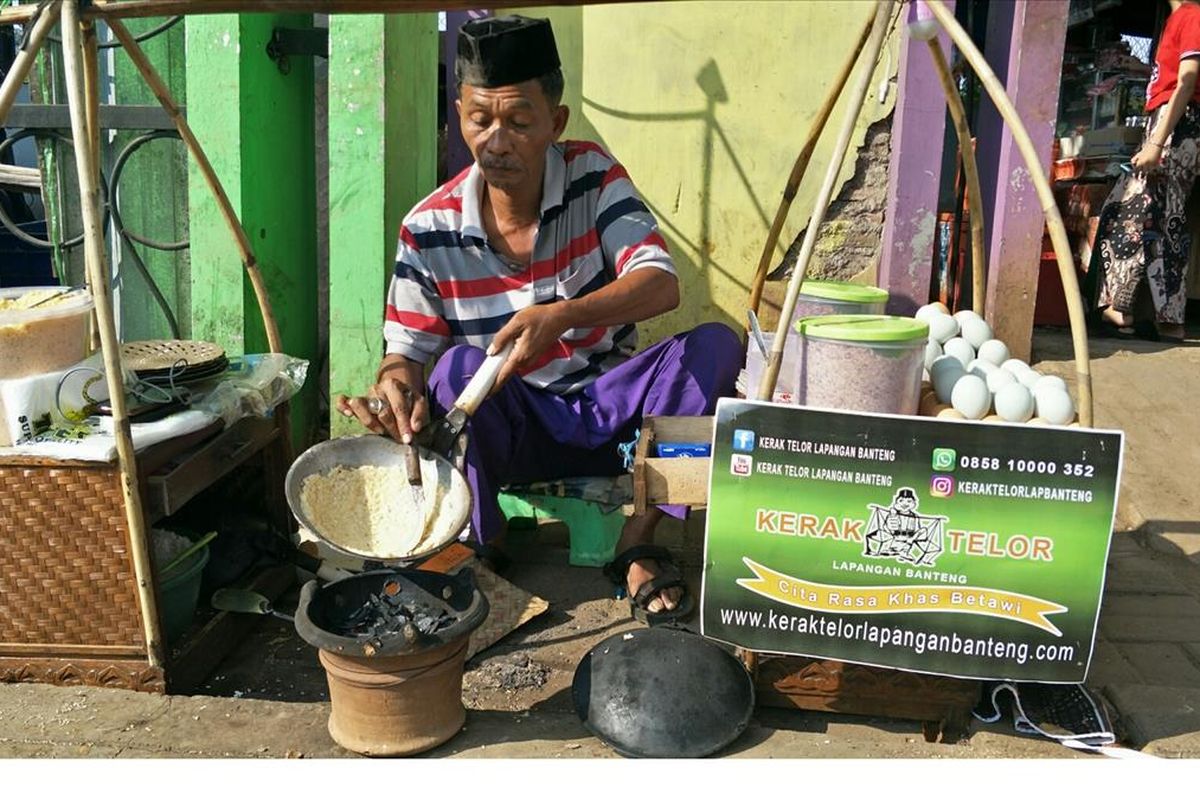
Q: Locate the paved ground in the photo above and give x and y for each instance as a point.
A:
(269, 699)
(1147, 661)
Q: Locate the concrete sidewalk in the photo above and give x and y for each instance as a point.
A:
(1147, 659)
(269, 698)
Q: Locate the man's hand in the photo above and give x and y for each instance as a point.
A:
(1148, 158)
(533, 330)
(395, 405)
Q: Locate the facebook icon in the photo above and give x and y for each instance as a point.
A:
(743, 440)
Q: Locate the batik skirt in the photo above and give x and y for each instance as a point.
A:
(1143, 233)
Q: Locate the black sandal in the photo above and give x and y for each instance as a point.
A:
(668, 577)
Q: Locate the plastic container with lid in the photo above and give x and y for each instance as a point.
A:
(756, 364)
(822, 298)
(862, 362)
(46, 337)
(817, 298)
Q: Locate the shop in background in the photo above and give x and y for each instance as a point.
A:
(1107, 61)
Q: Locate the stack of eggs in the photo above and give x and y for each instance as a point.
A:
(969, 375)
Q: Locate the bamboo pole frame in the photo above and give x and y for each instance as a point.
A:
(1058, 232)
(970, 167)
(91, 89)
(801, 166)
(46, 19)
(156, 84)
(97, 267)
(879, 23)
(132, 9)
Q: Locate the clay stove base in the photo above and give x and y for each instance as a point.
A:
(396, 705)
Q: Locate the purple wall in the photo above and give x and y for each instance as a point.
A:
(1025, 49)
(914, 171)
(458, 157)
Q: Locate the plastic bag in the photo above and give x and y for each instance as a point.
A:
(253, 386)
(52, 401)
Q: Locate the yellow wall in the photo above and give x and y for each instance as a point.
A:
(707, 104)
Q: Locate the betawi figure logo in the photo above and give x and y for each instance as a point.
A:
(898, 531)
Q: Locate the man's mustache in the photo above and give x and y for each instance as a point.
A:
(489, 162)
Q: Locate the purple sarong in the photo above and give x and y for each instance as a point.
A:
(523, 434)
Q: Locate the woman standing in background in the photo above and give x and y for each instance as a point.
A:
(1143, 231)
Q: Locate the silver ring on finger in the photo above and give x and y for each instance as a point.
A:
(375, 405)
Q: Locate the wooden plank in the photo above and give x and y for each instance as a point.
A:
(677, 481)
(639, 467)
(168, 491)
(127, 9)
(135, 674)
(52, 650)
(815, 684)
(682, 429)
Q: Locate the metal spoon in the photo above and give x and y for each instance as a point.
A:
(245, 601)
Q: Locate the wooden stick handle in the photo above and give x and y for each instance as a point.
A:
(1058, 232)
(151, 76)
(19, 71)
(97, 268)
(412, 460)
(966, 154)
(801, 166)
(883, 9)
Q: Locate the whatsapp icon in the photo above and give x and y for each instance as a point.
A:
(944, 459)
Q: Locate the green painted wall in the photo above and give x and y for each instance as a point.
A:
(256, 124)
(153, 192)
(707, 109)
(382, 160)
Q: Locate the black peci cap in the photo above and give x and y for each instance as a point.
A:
(906, 493)
(501, 51)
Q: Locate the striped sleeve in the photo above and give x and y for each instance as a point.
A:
(628, 230)
(415, 326)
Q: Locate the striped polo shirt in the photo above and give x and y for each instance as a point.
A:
(451, 287)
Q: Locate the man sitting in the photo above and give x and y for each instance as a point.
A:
(546, 245)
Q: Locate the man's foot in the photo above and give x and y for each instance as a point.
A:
(1116, 318)
(640, 531)
(644, 570)
(655, 587)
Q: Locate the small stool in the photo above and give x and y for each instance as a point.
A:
(589, 507)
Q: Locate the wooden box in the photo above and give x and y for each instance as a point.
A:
(671, 481)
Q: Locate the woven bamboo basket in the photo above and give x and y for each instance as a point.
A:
(69, 611)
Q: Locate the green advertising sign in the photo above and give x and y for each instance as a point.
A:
(964, 549)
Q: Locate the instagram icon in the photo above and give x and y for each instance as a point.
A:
(941, 486)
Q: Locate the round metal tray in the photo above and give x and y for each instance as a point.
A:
(371, 450)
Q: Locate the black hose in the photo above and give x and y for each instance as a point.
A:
(141, 37)
(128, 237)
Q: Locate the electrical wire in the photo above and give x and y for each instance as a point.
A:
(141, 37)
(109, 199)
